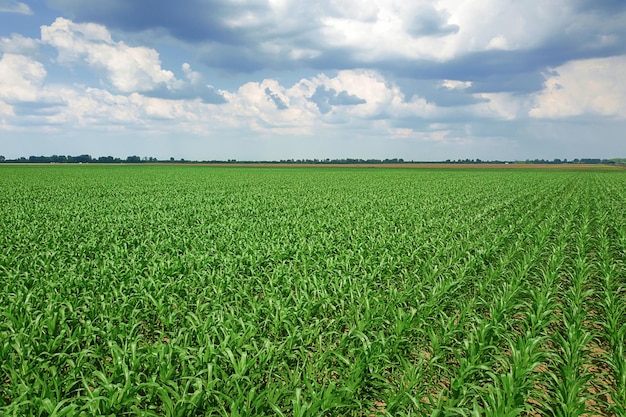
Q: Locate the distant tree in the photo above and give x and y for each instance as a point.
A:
(133, 159)
(82, 158)
(2, 158)
(172, 159)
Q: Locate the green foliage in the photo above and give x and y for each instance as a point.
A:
(192, 291)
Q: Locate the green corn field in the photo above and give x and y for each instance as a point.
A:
(259, 291)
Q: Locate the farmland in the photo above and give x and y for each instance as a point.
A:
(184, 291)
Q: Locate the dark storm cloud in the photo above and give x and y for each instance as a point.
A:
(519, 71)
(191, 21)
(226, 22)
(267, 41)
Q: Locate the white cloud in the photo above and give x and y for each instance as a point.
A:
(21, 78)
(504, 106)
(332, 34)
(5, 110)
(456, 84)
(501, 24)
(499, 42)
(18, 44)
(359, 10)
(193, 76)
(385, 36)
(361, 99)
(253, 105)
(592, 86)
(381, 97)
(139, 95)
(441, 30)
(127, 68)
(10, 6)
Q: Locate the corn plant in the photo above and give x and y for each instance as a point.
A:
(188, 291)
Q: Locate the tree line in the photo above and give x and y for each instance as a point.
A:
(134, 159)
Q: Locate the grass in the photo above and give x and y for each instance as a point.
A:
(184, 291)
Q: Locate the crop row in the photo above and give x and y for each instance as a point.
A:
(258, 291)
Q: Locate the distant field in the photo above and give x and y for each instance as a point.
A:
(196, 290)
(566, 167)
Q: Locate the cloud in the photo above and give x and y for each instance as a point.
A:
(18, 44)
(443, 75)
(326, 99)
(603, 7)
(138, 93)
(21, 78)
(420, 72)
(456, 84)
(584, 87)
(193, 87)
(280, 104)
(25, 99)
(408, 133)
(500, 106)
(196, 21)
(498, 49)
(449, 93)
(428, 21)
(267, 107)
(422, 36)
(364, 94)
(10, 6)
(127, 68)
(351, 99)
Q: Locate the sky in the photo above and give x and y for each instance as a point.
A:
(424, 80)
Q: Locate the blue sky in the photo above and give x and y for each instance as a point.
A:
(279, 79)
